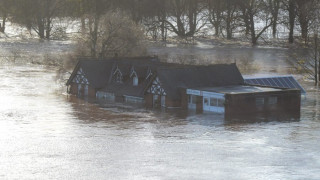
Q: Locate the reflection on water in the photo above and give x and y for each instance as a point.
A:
(45, 134)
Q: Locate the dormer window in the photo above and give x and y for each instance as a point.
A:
(134, 76)
(117, 76)
(135, 80)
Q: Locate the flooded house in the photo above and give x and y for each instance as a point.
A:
(218, 88)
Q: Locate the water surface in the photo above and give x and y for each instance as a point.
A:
(45, 134)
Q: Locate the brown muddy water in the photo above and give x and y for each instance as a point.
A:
(46, 134)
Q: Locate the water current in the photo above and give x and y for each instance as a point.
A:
(46, 134)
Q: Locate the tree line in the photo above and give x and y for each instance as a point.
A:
(183, 18)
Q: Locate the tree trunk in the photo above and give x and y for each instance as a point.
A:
(83, 25)
(275, 14)
(274, 25)
(192, 18)
(216, 29)
(3, 27)
(215, 15)
(94, 35)
(82, 19)
(228, 22)
(304, 17)
(163, 34)
(246, 21)
(229, 30)
(40, 27)
(292, 16)
(316, 59)
(180, 28)
(304, 28)
(274, 30)
(252, 28)
(47, 22)
(48, 28)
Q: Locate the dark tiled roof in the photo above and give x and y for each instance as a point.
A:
(97, 72)
(127, 88)
(198, 76)
(172, 76)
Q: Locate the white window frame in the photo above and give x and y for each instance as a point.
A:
(135, 81)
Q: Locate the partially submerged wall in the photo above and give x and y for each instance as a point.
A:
(286, 101)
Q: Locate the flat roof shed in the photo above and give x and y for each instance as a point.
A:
(243, 99)
(242, 89)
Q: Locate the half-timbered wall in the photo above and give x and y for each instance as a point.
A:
(80, 78)
(158, 94)
(156, 88)
(80, 85)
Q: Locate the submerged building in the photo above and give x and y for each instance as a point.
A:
(216, 88)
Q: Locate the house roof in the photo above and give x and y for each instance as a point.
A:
(126, 89)
(97, 72)
(172, 76)
(173, 79)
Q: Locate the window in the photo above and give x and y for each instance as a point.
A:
(118, 78)
(213, 102)
(79, 89)
(272, 100)
(220, 102)
(130, 99)
(163, 101)
(206, 101)
(260, 101)
(155, 97)
(86, 90)
(135, 81)
(192, 99)
(216, 102)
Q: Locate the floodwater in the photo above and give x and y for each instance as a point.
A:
(46, 134)
(264, 59)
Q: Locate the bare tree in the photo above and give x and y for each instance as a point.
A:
(306, 11)
(274, 7)
(309, 65)
(5, 7)
(116, 33)
(230, 17)
(292, 16)
(255, 9)
(185, 20)
(38, 15)
(215, 14)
